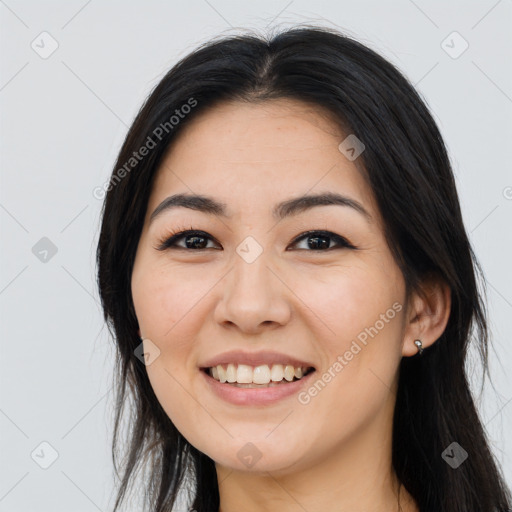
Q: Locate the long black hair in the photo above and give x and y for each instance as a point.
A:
(408, 169)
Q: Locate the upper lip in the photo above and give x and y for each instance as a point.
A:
(254, 359)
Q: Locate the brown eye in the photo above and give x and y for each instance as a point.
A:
(320, 241)
(194, 240)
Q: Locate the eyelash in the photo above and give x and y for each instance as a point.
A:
(169, 241)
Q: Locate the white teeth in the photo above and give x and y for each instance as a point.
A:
(263, 374)
(231, 373)
(222, 373)
(277, 372)
(243, 374)
(289, 372)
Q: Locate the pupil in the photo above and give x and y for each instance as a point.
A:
(323, 245)
(195, 238)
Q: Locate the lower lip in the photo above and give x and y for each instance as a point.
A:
(255, 396)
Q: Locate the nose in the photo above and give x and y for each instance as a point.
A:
(254, 297)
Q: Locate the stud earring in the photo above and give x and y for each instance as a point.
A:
(419, 345)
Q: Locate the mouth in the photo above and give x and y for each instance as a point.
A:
(256, 377)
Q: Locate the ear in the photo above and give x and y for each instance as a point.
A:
(427, 314)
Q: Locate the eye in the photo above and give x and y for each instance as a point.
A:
(193, 240)
(318, 241)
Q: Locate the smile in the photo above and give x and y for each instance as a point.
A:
(278, 382)
(243, 375)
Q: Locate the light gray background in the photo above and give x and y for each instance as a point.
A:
(63, 120)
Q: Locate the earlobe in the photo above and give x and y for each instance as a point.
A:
(428, 317)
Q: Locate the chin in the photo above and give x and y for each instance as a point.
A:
(257, 457)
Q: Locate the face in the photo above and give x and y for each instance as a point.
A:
(255, 282)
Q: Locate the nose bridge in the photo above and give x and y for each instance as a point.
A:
(251, 276)
(253, 294)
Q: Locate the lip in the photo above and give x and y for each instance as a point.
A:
(254, 359)
(255, 396)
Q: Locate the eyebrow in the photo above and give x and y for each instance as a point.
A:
(288, 208)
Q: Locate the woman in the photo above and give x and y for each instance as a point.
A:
(285, 270)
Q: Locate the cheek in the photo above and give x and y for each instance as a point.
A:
(348, 301)
(163, 298)
(362, 308)
(187, 412)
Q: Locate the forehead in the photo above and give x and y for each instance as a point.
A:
(252, 155)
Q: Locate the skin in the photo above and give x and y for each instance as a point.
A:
(333, 453)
